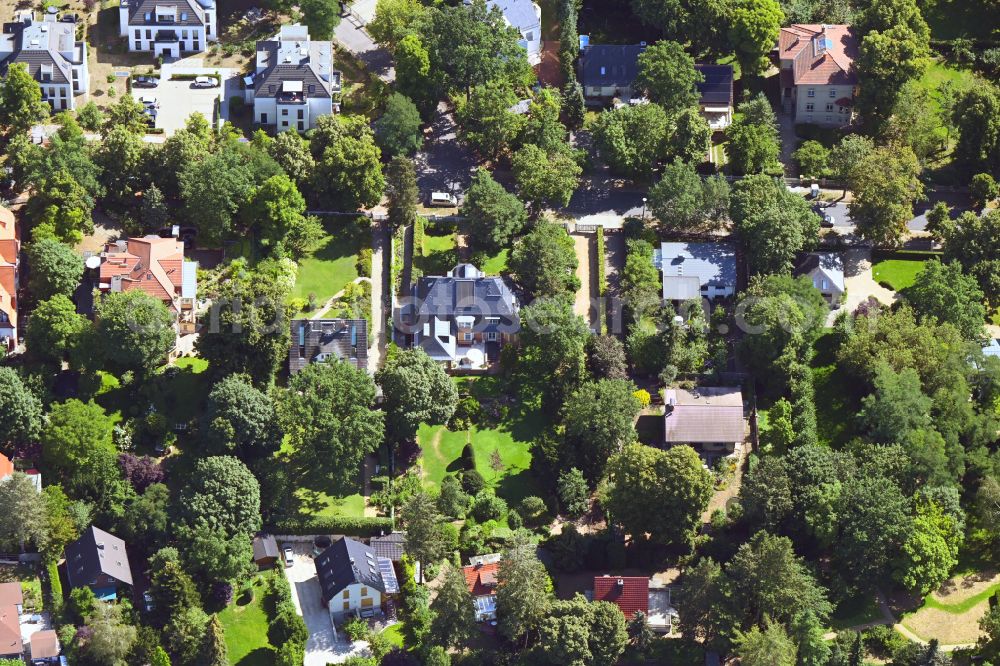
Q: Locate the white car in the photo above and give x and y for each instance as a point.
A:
(443, 200)
(204, 82)
(286, 550)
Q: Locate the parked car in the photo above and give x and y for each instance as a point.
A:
(442, 200)
(149, 102)
(814, 191)
(145, 82)
(286, 550)
(205, 82)
(826, 220)
(147, 602)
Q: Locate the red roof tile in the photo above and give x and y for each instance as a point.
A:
(811, 65)
(481, 579)
(629, 593)
(6, 467)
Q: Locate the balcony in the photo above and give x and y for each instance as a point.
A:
(166, 36)
(285, 97)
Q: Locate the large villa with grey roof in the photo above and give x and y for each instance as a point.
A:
(696, 270)
(51, 53)
(168, 27)
(294, 82)
(461, 319)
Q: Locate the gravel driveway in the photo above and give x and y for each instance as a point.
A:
(859, 281)
(584, 295)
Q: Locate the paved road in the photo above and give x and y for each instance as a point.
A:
(445, 164)
(353, 37)
(958, 203)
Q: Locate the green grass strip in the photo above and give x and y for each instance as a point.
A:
(963, 606)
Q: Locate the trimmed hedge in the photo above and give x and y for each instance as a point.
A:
(418, 236)
(345, 525)
(55, 587)
(602, 278)
(905, 255)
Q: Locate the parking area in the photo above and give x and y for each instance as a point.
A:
(178, 99)
(323, 646)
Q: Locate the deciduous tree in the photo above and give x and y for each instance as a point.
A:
(55, 269)
(416, 390)
(632, 139)
(944, 292)
(21, 104)
(133, 332)
(20, 409)
(494, 216)
(544, 262)
(398, 128)
(546, 178)
(668, 77)
(599, 420)
(885, 185)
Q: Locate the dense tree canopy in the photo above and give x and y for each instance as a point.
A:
(632, 139)
(944, 292)
(495, 216)
(668, 77)
(20, 409)
(416, 390)
(774, 224)
(220, 494)
(240, 419)
(133, 331)
(55, 269)
(544, 262)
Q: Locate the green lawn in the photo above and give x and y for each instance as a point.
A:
(332, 265)
(440, 251)
(836, 402)
(31, 584)
(319, 503)
(246, 627)
(394, 634)
(512, 439)
(898, 274)
(496, 264)
(183, 394)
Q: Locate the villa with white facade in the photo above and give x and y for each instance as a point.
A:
(168, 27)
(526, 16)
(294, 82)
(818, 77)
(52, 54)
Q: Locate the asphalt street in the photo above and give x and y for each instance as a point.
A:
(957, 202)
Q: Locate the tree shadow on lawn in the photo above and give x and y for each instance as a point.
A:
(262, 656)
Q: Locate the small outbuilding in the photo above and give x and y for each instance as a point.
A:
(265, 551)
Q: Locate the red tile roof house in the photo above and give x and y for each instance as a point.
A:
(818, 77)
(10, 246)
(156, 266)
(11, 601)
(481, 579)
(633, 594)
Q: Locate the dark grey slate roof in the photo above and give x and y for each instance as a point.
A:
(264, 547)
(186, 12)
(610, 64)
(345, 563)
(717, 88)
(464, 292)
(391, 546)
(324, 339)
(39, 44)
(94, 553)
(269, 82)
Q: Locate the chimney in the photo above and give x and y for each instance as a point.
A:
(620, 583)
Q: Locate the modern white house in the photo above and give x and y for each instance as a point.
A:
(818, 77)
(294, 82)
(52, 54)
(826, 271)
(696, 270)
(168, 27)
(526, 16)
(353, 580)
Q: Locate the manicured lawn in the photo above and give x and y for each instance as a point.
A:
(512, 438)
(496, 264)
(440, 250)
(183, 394)
(394, 634)
(898, 274)
(31, 584)
(333, 264)
(322, 504)
(246, 627)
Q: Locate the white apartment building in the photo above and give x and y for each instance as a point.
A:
(52, 54)
(168, 27)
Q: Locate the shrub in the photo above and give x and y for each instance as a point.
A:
(472, 539)
(487, 506)
(364, 262)
(573, 492)
(288, 626)
(472, 481)
(514, 520)
(355, 628)
(466, 414)
(140, 471)
(468, 457)
(452, 502)
(332, 525)
(643, 397)
(533, 510)
(602, 278)
(450, 536)
(55, 586)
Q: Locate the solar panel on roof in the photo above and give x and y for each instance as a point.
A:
(388, 575)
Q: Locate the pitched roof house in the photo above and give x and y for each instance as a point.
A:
(321, 340)
(715, 95)
(481, 580)
(294, 82)
(463, 318)
(45, 647)
(629, 593)
(526, 17)
(818, 77)
(167, 27)
(696, 270)
(709, 418)
(826, 271)
(156, 266)
(391, 546)
(608, 70)
(10, 248)
(265, 551)
(98, 560)
(350, 579)
(53, 56)
(11, 645)
(7, 469)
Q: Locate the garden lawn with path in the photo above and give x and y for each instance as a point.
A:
(897, 274)
(437, 252)
(245, 624)
(332, 265)
(511, 438)
(951, 613)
